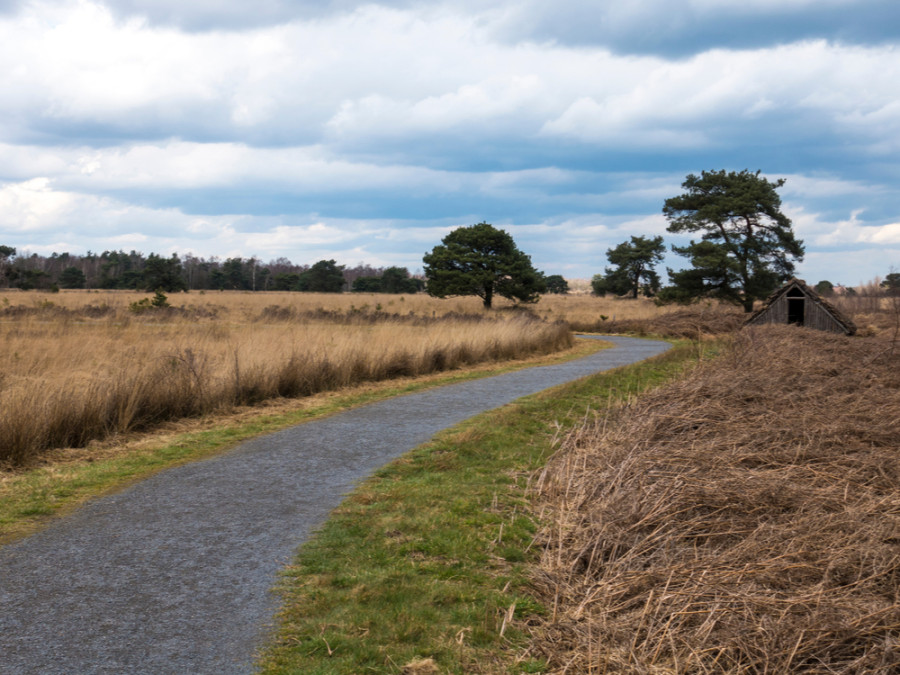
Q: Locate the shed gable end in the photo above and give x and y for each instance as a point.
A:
(798, 304)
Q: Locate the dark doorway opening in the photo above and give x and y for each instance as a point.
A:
(796, 307)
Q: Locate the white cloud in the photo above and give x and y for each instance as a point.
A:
(816, 186)
(709, 97)
(180, 165)
(33, 213)
(293, 237)
(383, 73)
(822, 231)
(849, 268)
(888, 234)
(34, 206)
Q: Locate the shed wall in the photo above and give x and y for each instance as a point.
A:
(819, 318)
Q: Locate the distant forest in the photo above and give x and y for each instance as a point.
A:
(135, 271)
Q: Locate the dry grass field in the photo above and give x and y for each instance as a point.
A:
(79, 366)
(244, 306)
(744, 519)
(82, 365)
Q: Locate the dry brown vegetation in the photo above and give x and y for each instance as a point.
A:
(745, 519)
(873, 311)
(692, 322)
(81, 366)
(246, 305)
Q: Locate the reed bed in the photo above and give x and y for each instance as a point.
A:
(72, 375)
(745, 519)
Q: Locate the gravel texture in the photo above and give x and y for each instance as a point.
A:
(174, 574)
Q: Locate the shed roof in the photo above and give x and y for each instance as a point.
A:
(840, 318)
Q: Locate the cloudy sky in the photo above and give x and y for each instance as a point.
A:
(365, 132)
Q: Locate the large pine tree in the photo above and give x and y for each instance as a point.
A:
(484, 261)
(747, 246)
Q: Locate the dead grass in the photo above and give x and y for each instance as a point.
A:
(693, 322)
(591, 313)
(73, 373)
(743, 520)
(876, 314)
(246, 306)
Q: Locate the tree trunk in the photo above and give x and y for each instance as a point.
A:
(488, 296)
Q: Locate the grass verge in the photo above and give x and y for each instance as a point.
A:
(67, 478)
(424, 566)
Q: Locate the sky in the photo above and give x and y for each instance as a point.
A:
(366, 131)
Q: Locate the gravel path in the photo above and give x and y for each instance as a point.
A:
(173, 575)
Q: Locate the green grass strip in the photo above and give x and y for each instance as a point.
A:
(422, 566)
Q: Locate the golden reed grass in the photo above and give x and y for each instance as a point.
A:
(745, 519)
(71, 373)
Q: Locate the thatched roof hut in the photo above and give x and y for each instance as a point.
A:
(797, 303)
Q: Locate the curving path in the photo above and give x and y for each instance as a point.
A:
(173, 575)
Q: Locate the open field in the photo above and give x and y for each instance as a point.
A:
(743, 519)
(73, 371)
(89, 364)
(246, 306)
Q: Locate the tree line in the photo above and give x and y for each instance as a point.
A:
(136, 271)
(516, 279)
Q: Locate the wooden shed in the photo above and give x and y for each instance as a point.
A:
(796, 303)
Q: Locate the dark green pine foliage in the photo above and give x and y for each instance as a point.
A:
(557, 284)
(483, 261)
(397, 280)
(163, 274)
(72, 277)
(747, 246)
(634, 268)
(325, 276)
(892, 283)
(392, 280)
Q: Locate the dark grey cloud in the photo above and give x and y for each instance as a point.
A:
(203, 15)
(669, 28)
(677, 28)
(672, 28)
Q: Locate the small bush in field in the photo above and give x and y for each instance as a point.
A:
(140, 306)
(159, 301)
